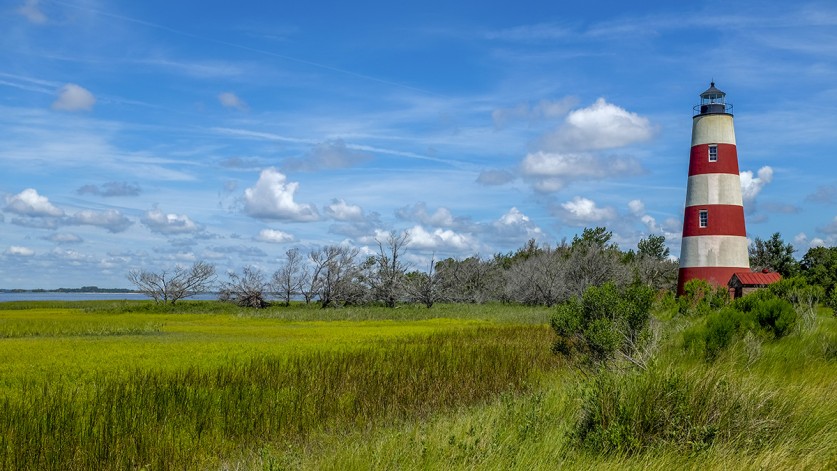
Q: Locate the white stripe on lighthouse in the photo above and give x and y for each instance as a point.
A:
(714, 188)
(713, 129)
(714, 251)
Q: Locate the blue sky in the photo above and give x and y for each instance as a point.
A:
(150, 134)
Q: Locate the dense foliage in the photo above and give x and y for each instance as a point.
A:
(604, 323)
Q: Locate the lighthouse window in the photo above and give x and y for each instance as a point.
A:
(704, 218)
(713, 153)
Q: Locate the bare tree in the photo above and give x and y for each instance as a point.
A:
(247, 289)
(171, 286)
(335, 275)
(387, 278)
(539, 279)
(594, 263)
(425, 288)
(470, 280)
(288, 280)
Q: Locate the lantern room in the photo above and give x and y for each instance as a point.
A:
(713, 101)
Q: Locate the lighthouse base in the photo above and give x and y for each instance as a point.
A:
(716, 276)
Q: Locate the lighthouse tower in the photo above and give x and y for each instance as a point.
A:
(714, 237)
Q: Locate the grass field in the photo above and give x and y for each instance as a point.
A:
(124, 385)
(204, 385)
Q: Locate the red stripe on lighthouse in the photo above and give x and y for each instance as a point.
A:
(727, 161)
(721, 219)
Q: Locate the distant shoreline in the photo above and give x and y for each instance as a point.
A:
(72, 290)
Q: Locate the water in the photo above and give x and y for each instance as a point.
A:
(54, 296)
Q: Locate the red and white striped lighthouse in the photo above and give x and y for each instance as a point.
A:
(714, 237)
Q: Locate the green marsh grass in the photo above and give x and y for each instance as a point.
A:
(772, 407)
(208, 387)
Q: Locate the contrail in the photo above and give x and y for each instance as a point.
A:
(245, 48)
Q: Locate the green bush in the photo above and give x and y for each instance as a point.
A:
(629, 413)
(797, 291)
(699, 298)
(761, 312)
(720, 328)
(604, 322)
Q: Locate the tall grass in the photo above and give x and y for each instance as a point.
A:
(190, 418)
(760, 404)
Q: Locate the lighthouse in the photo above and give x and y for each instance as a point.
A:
(714, 242)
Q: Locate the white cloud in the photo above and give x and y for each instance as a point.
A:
(273, 198)
(752, 186)
(31, 10)
(599, 126)
(64, 238)
(515, 224)
(637, 209)
(583, 210)
(342, 211)
(274, 236)
(111, 189)
(440, 239)
(29, 203)
(73, 97)
(231, 100)
(442, 217)
(162, 223)
(553, 171)
(110, 219)
(493, 177)
(20, 251)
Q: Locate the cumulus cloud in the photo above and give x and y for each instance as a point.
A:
(492, 177)
(751, 186)
(110, 189)
(29, 203)
(545, 109)
(231, 100)
(64, 238)
(801, 240)
(169, 224)
(20, 251)
(110, 219)
(516, 225)
(342, 211)
(440, 239)
(274, 236)
(581, 211)
(599, 126)
(442, 217)
(273, 198)
(32, 11)
(637, 209)
(73, 97)
(327, 156)
(553, 171)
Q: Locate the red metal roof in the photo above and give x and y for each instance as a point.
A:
(757, 278)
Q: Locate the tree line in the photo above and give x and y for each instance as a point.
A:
(534, 274)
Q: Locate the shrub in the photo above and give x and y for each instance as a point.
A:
(717, 332)
(761, 313)
(603, 323)
(699, 298)
(629, 413)
(772, 313)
